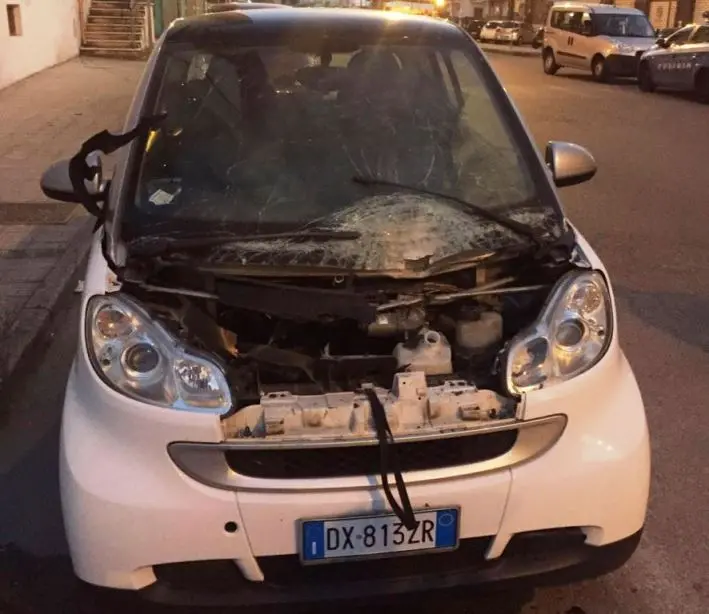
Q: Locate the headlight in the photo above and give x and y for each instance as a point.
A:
(570, 336)
(139, 358)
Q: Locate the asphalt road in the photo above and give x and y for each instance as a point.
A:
(646, 213)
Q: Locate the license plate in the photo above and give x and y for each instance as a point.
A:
(324, 541)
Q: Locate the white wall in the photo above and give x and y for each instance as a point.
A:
(51, 33)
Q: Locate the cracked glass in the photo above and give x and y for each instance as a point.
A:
(269, 139)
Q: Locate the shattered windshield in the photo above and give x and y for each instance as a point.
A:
(269, 139)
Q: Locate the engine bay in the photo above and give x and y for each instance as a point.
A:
(300, 354)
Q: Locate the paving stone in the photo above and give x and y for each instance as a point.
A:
(42, 244)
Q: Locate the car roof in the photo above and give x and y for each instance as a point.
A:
(597, 8)
(224, 24)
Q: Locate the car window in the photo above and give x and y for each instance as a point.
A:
(681, 37)
(630, 25)
(586, 24)
(492, 24)
(701, 35)
(567, 20)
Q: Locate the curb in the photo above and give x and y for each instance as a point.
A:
(522, 53)
(35, 319)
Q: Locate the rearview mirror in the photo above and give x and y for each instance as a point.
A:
(662, 42)
(569, 164)
(56, 181)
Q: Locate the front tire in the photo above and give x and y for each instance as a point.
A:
(702, 86)
(549, 61)
(645, 82)
(599, 69)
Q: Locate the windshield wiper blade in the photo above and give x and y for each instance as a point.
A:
(162, 244)
(521, 229)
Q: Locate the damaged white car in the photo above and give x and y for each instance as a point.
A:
(334, 314)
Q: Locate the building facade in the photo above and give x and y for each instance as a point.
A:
(670, 13)
(36, 34)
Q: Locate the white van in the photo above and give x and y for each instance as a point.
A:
(601, 38)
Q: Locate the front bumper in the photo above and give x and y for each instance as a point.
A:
(623, 65)
(531, 560)
(132, 518)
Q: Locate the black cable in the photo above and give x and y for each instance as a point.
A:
(389, 458)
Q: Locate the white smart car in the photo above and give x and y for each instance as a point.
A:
(318, 334)
(488, 33)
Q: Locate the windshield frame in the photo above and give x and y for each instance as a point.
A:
(127, 170)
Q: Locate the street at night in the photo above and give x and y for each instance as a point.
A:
(645, 213)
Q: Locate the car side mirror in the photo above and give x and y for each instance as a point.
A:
(56, 181)
(662, 42)
(569, 164)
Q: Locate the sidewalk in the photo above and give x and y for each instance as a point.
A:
(42, 243)
(524, 51)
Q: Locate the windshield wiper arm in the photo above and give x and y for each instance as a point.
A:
(162, 244)
(513, 225)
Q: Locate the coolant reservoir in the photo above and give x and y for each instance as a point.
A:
(481, 333)
(432, 354)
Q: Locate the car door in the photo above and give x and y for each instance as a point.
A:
(559, 35)
(582, 46)
(554, 35)
(663, 62)
(692, 56)
(574, 50)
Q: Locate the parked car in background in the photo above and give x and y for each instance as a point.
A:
(472, 26)
(512, 32)
(395, 378)
(538, 39)
(488, 33)
(679, 62)
(603, 39)
(527, 33)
